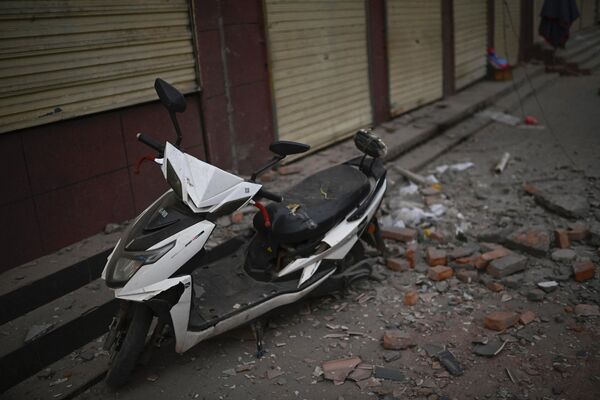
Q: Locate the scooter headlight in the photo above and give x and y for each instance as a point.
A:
(122, 269)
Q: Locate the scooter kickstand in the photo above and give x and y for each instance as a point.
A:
(258, 329)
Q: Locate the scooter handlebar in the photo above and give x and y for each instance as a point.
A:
(151, 142)
(265, 194)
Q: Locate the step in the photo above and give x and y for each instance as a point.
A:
(66, 378)
(418, 158)
(73, 319)
(36, 283)
(580, 43)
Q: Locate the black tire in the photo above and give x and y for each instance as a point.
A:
(127, 356)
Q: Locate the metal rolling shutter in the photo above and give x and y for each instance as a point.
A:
(414, 53)
(63, 59)
(319, 69)
(576, 27)
(470, 41)
(537, 9)
(587, 13)
(504, 29)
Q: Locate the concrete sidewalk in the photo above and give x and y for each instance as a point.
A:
(414, 139)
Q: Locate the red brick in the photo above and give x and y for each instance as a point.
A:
(584, 270)
(483, 261)
(399, 234)
(395, 339)
(562, 239)
(431, 200)
(527, 317)
(501, 320)
(440, 273)
(468, 261)
(397, 264)
(495, 286)
(467, 276)
(437, 237)
(534, 241)
(436, 257)
(411, 254)
(411, 298)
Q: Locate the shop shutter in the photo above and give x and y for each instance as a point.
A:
(507, 34)
(319, 69)
(470, 41)
(537, 9)
(414, 35)
(576, 27)
(588, 11)
(63, 59)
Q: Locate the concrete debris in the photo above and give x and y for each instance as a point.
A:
(568, 205)
(587, 310)
(563, 255)
(508, 265)
(490, 349)
(36, 331)
(536, 295)
(548, 286)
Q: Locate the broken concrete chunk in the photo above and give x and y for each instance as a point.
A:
(467, 276)
(392, 374)
(568, 205)
(489, 349)
(587, 310)
(563, 255)
(584, 270)
(36, 331)
(395, 339)
(338, 370)
(534, 241)
(508, 265)
(391, 355)
(501, 320)
(548, 286)
(432, 349)
(464, 251)
(536, 295)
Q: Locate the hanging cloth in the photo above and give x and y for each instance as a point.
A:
(557, 16)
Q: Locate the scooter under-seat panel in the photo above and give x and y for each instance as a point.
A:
(316, 204)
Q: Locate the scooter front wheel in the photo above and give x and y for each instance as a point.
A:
(128, 354)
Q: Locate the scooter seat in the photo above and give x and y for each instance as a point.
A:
(315, 205)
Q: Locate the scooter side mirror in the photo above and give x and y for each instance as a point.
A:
(285, 148)
(170, 97)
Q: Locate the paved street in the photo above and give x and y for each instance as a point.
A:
(556, 354)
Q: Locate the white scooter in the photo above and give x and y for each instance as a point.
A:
(305, 242)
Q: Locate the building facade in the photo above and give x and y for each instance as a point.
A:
(76, 86)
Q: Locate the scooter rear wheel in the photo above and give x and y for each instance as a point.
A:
(127, 356)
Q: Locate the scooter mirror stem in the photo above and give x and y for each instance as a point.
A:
(271, 163)
(177, 129)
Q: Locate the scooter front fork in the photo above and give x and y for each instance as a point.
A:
(258, 329)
